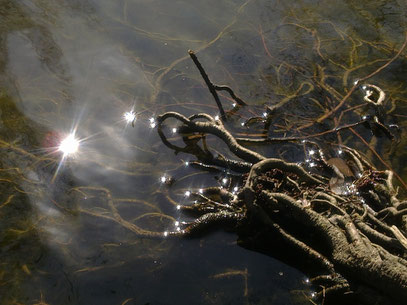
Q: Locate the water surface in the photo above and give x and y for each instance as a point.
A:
(78, 66)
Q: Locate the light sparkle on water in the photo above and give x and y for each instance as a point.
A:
(129, 116)
(69, 145)
(153, 123)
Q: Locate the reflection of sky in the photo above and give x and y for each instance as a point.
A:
(96, 84)
(83, 88)
(81, 96)
(75, 76)
(83, 64)
(94, 68)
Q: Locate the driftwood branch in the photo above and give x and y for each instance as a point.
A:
(214, 88)
(346, 225)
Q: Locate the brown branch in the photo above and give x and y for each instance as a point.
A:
(300, 138)
(237, 99)
(208, 83)
(216, 129)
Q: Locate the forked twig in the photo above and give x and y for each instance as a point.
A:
(213, 87)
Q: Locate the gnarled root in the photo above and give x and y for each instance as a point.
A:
(356, 239)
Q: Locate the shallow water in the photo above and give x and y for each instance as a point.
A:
(78, 66)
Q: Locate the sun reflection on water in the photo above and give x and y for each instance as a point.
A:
(69, 145)
(129, 116)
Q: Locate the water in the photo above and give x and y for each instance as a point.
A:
(78, 66)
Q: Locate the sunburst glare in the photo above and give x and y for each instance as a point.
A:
(152, 122)
(129, 116)
(69, 145)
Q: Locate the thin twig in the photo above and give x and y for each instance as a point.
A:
(237, 99)
(300, 138)
(378, 157)
(356, 85)
(208, 83)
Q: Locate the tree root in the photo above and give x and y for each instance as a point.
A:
(356, 238)
(287, 200)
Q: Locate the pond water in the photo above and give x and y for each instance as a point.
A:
(71, 226)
